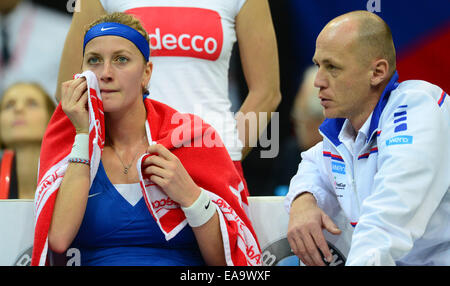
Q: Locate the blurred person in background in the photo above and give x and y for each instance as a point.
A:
(306, 117)
(31, 43)
(25, 110)
(307, 114)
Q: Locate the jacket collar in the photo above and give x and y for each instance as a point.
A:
(331, 127)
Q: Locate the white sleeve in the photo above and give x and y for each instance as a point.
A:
(311, 177)
(239, 4)
(412, 178)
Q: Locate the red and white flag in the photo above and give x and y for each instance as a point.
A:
(211, 169)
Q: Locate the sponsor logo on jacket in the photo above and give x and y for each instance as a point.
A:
(397, 140)
(337, 167)
(400, 118)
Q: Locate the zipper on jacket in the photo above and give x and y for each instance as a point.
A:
(356, 194)
(352, 177)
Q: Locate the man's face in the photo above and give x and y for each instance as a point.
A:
(343, 79)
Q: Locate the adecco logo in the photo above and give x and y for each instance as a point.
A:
(182, 31)
(165, 203)
(279, 253)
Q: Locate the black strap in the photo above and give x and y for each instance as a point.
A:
(13, 184)
(6, 55)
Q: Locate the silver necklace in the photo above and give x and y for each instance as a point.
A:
(125, 167)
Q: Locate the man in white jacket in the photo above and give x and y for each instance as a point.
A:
(384, 159)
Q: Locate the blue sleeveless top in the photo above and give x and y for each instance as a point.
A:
(114, 232)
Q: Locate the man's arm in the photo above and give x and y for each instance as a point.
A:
(72, 55)
(309, 190)
(412, 178)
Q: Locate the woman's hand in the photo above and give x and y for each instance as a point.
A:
(165, 170)
(73, 102)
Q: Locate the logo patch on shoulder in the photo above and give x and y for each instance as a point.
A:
(400, 119)
(398, 140)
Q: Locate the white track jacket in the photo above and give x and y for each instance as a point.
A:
(392, 182)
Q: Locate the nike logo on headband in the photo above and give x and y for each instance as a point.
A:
(120, 30)
(106, 29)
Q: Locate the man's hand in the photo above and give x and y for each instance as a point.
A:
(305, 235)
